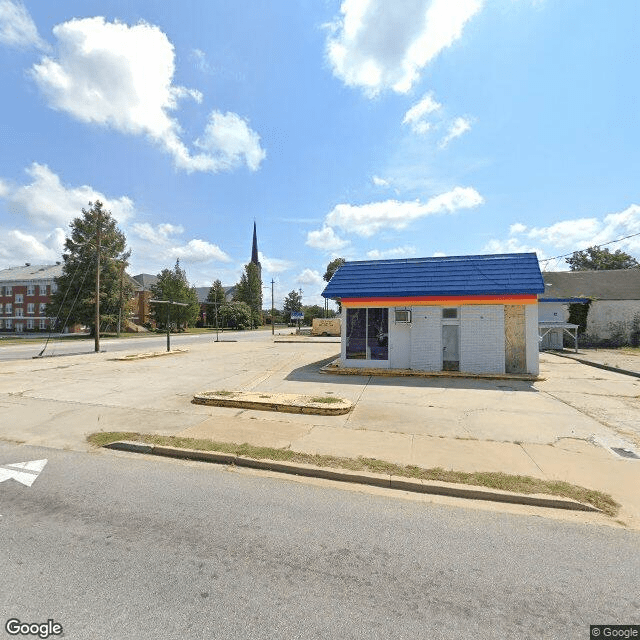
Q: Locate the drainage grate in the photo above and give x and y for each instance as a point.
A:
(625, 453)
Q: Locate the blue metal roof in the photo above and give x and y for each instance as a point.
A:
(499, 274)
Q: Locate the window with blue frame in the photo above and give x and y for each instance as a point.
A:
(367, 334)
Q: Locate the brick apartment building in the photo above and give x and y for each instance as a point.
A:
(24, 294)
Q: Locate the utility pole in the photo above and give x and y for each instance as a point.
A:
(273, 312)
(97, 320)
(120, 300)
(216, 308)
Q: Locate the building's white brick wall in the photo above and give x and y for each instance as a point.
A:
(426, 339)
(482, 339)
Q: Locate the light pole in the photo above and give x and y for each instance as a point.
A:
(169, 303)
(97, 319)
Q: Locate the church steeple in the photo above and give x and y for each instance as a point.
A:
(254, 247)
(254, 251)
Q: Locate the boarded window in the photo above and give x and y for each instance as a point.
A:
(515, 345)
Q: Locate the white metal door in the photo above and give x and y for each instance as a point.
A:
(399, 346)
(450, 347)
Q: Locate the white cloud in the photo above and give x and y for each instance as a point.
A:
(379, 182)
(121, 76)
(377, 44)
(573, 234)
(518, 227)
(201, 60)
(367, 219)
(158, 234)
(511, 245)
(567, 233)
(18, 246)
(199, 251)
(326, 239)
(310, 277)
(416, 115)
(231, 142)
(47, 201)
(398, 252)
(45, 207)
(273, 265)
(456, 129)
(17, 28)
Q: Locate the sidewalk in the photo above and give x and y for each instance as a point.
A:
(617, 360)
(561, 427)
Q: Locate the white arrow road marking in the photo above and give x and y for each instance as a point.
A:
(24, 472)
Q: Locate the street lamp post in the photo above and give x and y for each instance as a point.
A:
(97, 319)
(169, 303)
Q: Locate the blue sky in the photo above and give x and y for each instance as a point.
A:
(363, 129)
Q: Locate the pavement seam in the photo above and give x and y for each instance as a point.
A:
(355, 404)
(531, 458)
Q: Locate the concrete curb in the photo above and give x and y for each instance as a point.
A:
(597, 365)
(413, 373)
(387, 481)
(283, 403)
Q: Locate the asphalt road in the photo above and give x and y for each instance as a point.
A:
(156, 342)
(120, 547)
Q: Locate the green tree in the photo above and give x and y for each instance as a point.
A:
(215, 299)
(74, 299)
(293, 302)
(173, 285)
(311, 312)
(597, 259)
(236, 315)
(249, 291)
(332, 267)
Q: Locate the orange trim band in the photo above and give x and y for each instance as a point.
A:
(439, 301)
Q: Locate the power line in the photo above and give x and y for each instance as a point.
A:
(601, 244)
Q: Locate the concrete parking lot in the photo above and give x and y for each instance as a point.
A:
(563, 426)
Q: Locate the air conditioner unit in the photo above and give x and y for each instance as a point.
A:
(403, 316)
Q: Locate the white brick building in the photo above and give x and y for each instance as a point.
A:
(475, 314)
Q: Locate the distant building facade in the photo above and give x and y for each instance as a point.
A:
(614, 294)
(24, 294)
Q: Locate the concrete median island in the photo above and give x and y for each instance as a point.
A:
(326, 405)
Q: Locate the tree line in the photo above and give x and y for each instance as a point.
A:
(95, 233)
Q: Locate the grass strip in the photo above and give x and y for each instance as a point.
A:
(326, 399)
(490, 479)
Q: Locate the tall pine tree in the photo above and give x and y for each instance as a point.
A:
(74, 299)
(249, 291)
